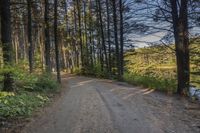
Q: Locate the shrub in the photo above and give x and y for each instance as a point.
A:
(45, 82)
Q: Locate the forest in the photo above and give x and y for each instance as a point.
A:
(152, 44)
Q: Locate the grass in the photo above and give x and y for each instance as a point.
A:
(166, 85)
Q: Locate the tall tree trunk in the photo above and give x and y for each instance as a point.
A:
(56, 40)
(47, 39)
(180, 25)
(29, 2)
(121, 39)
(75, 34)
(6, 42)
(80, 31)
(102, 34)
(90, 34)
(86, 36)
(116, 37)
(108, 36)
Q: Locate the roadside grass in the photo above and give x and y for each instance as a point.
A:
(146, 80)
(161, 84)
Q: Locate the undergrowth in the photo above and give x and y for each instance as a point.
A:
(20, 104)
(31, 92)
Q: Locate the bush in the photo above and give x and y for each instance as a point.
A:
(94, 71)
(45, 82)
(77, 71)
(167, 85)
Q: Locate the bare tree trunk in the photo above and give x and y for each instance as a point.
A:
(47, 39)
(6, 42)
(86, 36)
(180, 24)
(30, 42)
(116, 37)
(102, 33)
(121, 39)
(80, 31)
(56, 40)
(108, 34)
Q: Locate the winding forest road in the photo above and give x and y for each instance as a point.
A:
(91, 105)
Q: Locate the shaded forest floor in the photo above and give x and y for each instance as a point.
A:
(88, 105)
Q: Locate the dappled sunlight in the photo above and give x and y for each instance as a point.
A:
(117, 89)
(149, 91)
(128, 92)
(82, 83)
(87, 81)
(131, 94)
(68, 76)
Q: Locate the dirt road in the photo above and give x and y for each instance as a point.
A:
(103, 106)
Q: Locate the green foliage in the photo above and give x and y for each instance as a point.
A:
(95, 71)
(22, 104)
(167, 85)
(30, 82)
(45, 82)
(77, 71)
(159, 63)
(30, 92)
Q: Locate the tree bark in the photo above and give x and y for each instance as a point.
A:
(102, 34)
(6, 42)
(29, 2)
(116, 37)
(108, 36)
(121, 39)
(47, 39)
(180, 25)
(80, 32)
(56, 40)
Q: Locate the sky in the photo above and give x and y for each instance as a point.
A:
(142, 13)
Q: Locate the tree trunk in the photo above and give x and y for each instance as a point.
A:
(121, 39)
(47, 39)
(102, 34)
(116, 38)
(86, 36)
(180, 25)
(56, 40)
(6, 42)
(29, 2)
(80, 31)
(108, 35)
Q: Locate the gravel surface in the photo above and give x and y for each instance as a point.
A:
(91, 105)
